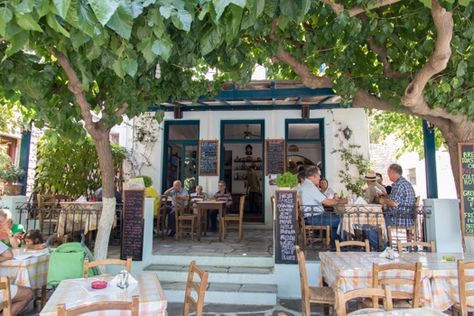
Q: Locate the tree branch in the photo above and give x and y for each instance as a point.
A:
(120, 111)
(75, 86)
(339, 8)
(413, 97)
(308, 78)
(387, 70)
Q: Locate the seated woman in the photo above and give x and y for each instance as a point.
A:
(10, 234)
(326, 190)
(221, 195)
(34, 240)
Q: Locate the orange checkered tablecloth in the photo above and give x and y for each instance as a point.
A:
(73, 293)
(30, 272)
(352, 270)
(370, 214)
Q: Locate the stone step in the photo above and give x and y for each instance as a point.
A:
(218, 260)
(225, 274)
(227, 293)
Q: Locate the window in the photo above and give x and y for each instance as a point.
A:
(8, 146)
(242, 131)
(304, 143)
(184, 132)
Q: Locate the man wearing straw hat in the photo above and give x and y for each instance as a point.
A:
(374, 190)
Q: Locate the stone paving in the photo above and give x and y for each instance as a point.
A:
(256, 243)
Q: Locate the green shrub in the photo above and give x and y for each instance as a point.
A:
(146, 180)
(286, 179)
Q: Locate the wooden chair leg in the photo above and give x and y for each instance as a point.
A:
(223, 230)
(241, 231)
(193, 223)
(328, 236)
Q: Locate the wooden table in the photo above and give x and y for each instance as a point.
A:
(203, 206)
(76, 292)
(29, 269)
(425, 311)
(352, 270)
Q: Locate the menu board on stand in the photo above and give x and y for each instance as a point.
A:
(466, 179)
(275, 156)
(133, 224)
(285, 226)
(208, 159)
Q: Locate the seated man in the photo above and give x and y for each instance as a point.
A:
(313, 202)
(221, 195)
(374, 190)
(401, 210)
(180, 198)
(197, 196)
(20, 295)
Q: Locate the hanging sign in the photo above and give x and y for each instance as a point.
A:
(208, 159)
(275, 156)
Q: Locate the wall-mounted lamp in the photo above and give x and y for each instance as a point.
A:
(347, 132)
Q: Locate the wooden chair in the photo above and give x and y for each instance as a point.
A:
(374, 294)
(400, 297)
(198, 287)
(351, 243)
(6, 296)
(127, 264)
(461, 308)
(416, 245)
(48, 213)
(185, 220)
(236, 218)
(308, 231)
(319, 295)
(161, 216)
(132, 306)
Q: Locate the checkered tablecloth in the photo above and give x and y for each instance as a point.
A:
(30, 272)
(78, 216)
(425, 311)
(351, 270)
(74, 292)
(362, 215)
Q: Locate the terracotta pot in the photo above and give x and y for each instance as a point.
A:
(12, 188)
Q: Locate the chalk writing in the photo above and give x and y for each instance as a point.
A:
(275, 156)
(208, 161)
(285, 229)
(132, 224)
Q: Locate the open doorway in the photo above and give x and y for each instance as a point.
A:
(242, 153)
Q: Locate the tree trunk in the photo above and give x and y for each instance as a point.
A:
(104, 152)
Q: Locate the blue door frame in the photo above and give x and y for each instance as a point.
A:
(168, 142)
(308, 140)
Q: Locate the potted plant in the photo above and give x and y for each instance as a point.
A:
(286, 180)
(10, 176)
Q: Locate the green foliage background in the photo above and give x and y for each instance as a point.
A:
(70, 167)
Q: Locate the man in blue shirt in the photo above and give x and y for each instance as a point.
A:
(179, 197)
(313, 202)
(401, 210)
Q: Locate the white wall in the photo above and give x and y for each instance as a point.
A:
(152, 154)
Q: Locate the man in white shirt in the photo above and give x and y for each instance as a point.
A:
(20, 295)
(313, 202)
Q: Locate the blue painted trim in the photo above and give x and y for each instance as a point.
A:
(167, 141)
(430, 161)
(25, 157)
(270, 93)
(202, 106)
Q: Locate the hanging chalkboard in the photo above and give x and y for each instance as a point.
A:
(466, 179)
(275, 156)
(285, 226)
(132, 224)
(208, 159)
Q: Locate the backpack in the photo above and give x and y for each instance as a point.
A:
(67, 262)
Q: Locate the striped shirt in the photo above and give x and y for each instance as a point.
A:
(226, 197)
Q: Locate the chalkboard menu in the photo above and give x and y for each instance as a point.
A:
(466, 178)
(285, 227)
(132, 224)
(275, 156)
(208, 161)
